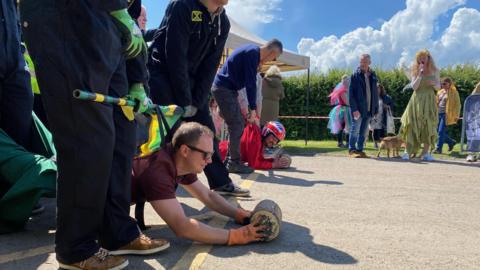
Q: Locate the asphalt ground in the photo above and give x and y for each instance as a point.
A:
(338, 213)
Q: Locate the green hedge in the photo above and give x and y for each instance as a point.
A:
(294, 104)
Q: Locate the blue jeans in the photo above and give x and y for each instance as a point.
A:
(357, 133)
(442, 132)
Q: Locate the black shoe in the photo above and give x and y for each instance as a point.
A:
(231, 189)
(341, 145)
(38, 209)
(451, 145)
(238, 167)
(438, 151)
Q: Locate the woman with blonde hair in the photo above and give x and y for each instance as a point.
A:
(273, 92)
(419, 121)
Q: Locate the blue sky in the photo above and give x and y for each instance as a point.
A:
(297, 21)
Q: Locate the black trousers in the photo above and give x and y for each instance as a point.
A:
(95, 142)
(39, 110)
(161, 93)
(16, 97)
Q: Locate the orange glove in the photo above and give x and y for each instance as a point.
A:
(246, 234)
(242, 216)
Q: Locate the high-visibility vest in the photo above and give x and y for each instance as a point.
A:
(33, 77)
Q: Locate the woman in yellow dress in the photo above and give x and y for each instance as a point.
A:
(420, 119)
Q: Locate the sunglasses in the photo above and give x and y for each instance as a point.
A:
(206, 155)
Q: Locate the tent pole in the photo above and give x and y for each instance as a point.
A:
(307, 113)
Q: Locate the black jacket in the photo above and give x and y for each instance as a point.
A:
(186, 49)
(357, 93)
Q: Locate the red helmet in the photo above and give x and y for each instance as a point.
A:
(276, 128)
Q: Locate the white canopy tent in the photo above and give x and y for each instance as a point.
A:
(288, 61)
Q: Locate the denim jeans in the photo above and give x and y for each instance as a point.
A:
(357, 133)
(442, 132)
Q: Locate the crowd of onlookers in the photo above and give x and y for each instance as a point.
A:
(362, 107)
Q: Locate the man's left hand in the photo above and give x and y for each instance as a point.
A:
(137, 93)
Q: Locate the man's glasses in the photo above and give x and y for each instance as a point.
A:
(206, 155)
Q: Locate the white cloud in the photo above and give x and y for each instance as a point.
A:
(253, 13)
(397, 40)
(460, 42)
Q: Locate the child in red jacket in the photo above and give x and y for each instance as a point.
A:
(257, 147)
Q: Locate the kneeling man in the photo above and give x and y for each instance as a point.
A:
(154, 179)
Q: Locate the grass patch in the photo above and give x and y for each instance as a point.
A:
(329, 148)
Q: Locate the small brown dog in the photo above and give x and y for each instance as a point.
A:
(391, 143)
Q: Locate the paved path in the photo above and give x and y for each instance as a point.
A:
(338, 213)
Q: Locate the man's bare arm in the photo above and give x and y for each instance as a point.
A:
(211, 199)
(172, 213)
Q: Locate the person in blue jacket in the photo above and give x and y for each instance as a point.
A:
(240, 71)
(363, 99)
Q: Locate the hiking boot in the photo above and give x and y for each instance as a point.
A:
(238, 167)
(231, 189)
(143, 245)
(101, 260)
(451, 145)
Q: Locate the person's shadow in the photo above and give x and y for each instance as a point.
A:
(419, 161)
(294, 169)
(274, 178)
(293, 238)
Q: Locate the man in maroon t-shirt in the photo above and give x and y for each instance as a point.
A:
(154, 178)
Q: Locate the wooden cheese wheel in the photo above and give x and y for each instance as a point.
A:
(268, 213)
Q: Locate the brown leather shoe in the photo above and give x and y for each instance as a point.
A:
(143, 245)
(99, 261)
(353, 154)
(362, 154)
